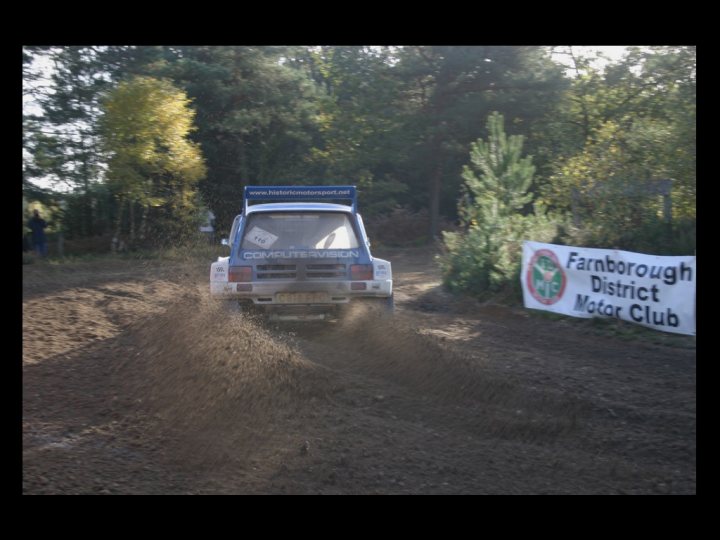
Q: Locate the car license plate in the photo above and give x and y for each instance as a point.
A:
(301, 298)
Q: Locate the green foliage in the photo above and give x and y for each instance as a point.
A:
(101, 204)
(637, 123)
(486, 261)
(146, 127)
(358, 123)
(602, 185)
(486, 257)
(447, 93)
(398, 122)
(644, 234)
(62, 143)
(153, 164)
(497, 179)
(256, 118)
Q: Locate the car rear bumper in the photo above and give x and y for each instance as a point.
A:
(302, 292)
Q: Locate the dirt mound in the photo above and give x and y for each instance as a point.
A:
(213, 379)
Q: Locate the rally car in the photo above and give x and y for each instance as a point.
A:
(304, 256)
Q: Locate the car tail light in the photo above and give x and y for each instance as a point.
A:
(240, 273)
(361, 271)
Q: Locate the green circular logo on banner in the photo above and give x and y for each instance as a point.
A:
(545, 277)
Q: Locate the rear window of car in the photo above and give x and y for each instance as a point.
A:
(299, 230)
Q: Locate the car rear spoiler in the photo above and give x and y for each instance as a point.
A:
(301, 193)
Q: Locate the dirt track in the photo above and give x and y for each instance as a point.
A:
(135, 382)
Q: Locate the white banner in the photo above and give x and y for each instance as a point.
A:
(654, 291)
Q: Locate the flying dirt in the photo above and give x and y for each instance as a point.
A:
(135, 381)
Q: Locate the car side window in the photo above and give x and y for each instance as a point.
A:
(234, 229)
(362, 230)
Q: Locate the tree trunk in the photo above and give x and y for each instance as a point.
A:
(435, 185)
(118, 226)
(86, 226)
(143, 222)
(244, 169)
(132, 222)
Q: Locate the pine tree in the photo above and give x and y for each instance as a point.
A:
(256, 119)
(486, 256)
(448, 92)
(497, 179)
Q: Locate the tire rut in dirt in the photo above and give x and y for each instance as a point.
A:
(373, 356)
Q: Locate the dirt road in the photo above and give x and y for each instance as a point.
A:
(135, 382)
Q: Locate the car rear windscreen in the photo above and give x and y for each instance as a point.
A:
(299, 230)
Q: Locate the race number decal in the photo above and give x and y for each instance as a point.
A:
(261, 238)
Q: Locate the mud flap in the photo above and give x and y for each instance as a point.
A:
(389, 304)
(383, 307)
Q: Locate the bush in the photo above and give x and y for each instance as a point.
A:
(485, 262)
(652, 236)
(486, 258)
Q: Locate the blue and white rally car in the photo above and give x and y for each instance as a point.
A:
(300, 257)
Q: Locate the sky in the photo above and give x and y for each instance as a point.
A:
(613, 53)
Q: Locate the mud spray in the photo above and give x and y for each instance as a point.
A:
(218, 382)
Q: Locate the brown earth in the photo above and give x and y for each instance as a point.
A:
(135, 382)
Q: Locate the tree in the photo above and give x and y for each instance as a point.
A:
(152, 162)
(61, 144)
(485, 256)
(66, 142)
(256, 118)
(358, 121)
(498, 178)
(451, 90)
(637, 120)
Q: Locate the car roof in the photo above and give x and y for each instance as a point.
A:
(298, 207)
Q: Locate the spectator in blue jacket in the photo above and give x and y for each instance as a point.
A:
(37, 226)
